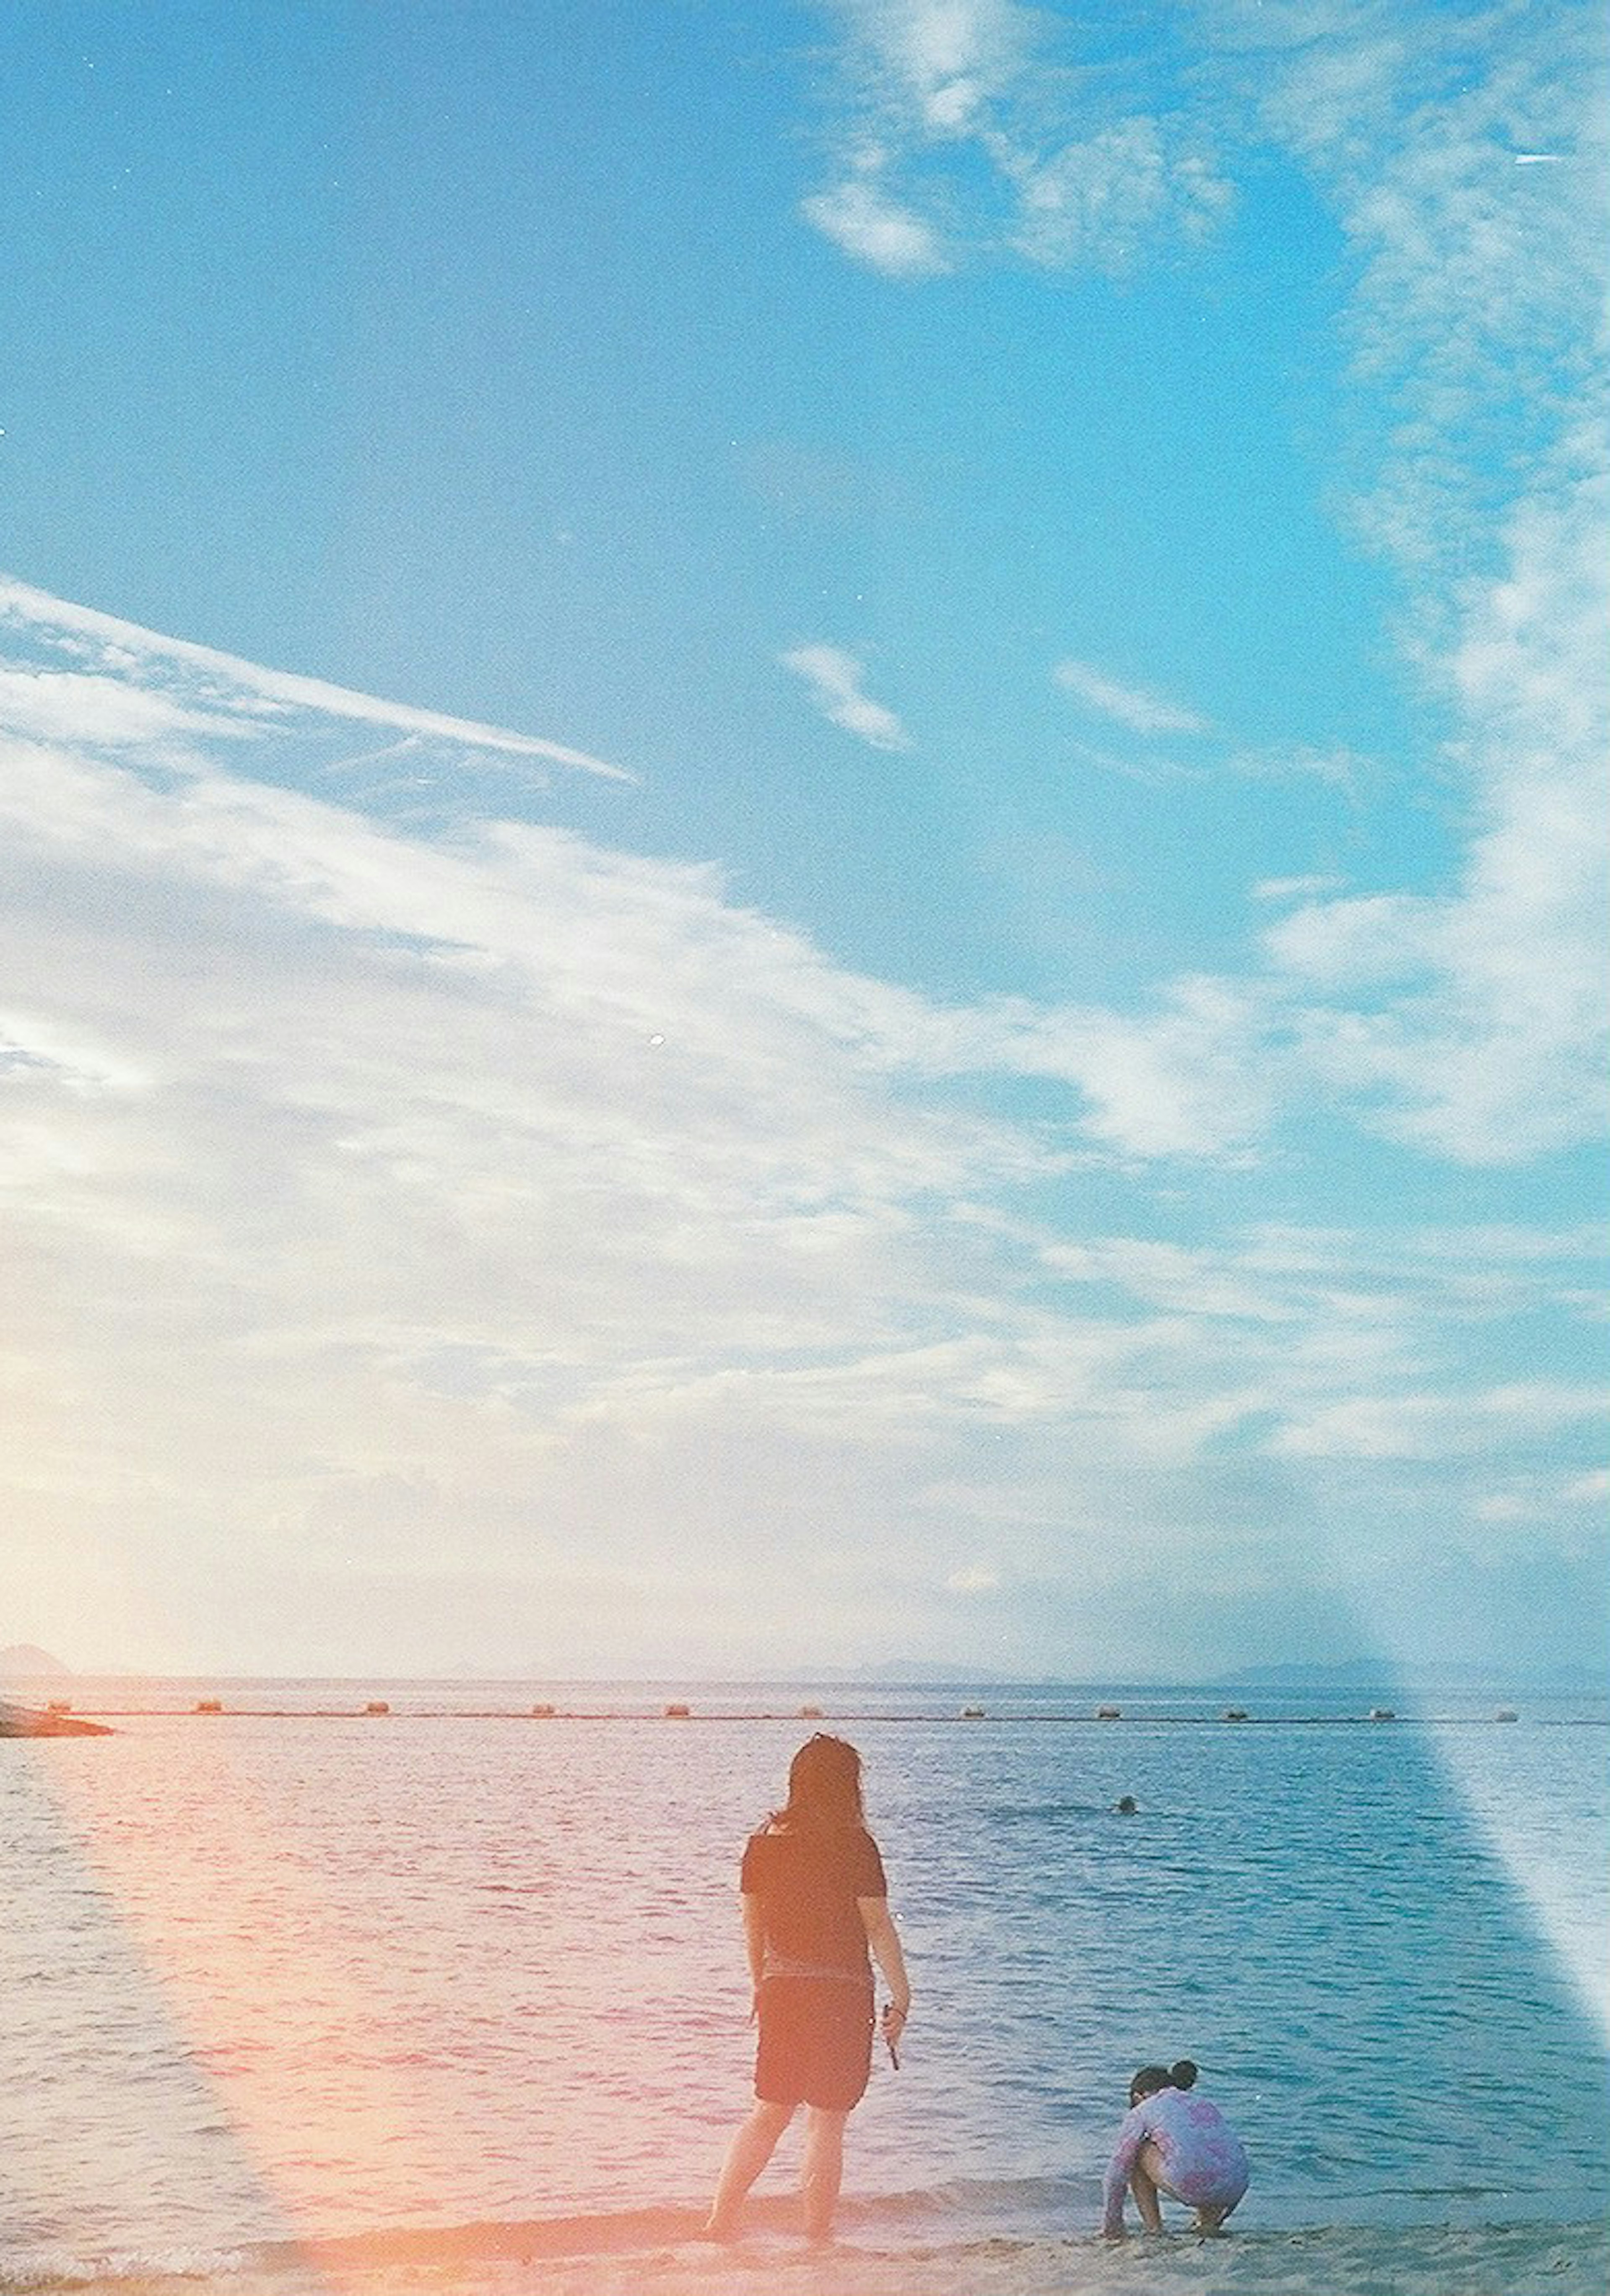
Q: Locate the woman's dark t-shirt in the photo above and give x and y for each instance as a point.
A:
(807, 1880)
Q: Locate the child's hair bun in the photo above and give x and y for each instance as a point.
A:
(1183, 2075)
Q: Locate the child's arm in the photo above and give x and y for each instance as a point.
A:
(1131, 2136)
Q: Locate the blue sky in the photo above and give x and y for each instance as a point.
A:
(804, 845)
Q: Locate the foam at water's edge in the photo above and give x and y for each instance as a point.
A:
(951, 2222)
(652, 2253)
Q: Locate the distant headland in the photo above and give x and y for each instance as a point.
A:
(26, 1660)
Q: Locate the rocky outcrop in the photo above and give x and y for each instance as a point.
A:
(30, 1722)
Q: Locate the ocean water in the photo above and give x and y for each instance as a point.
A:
(294, 1990)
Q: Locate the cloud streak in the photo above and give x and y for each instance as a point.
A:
(835, 681)
(250, 684)
(1128, 706)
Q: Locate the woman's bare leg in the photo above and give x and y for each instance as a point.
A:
(751, 2149)
(822, 2169)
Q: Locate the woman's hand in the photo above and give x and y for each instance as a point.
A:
(891, 2024)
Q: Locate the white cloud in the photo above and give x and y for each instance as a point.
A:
(1479, 304)
(833, 679)
(103, 712)
(1296, 888)
(1352, 944)
(1127, 705)
(1494, 1044)
(947, 58)
(969, 127)
(70, 1058)
(489, 1160)
(1473, 1022)
(1171, 1277)
(862, 219)
(1504, 1508)
(1297, 761)
(440, 1207)
(1468, 1022)
(1148, 769)
(1096, 200)
(1433, 1426)
(1197, 1077)
(973, 1579)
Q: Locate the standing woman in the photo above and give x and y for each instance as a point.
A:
(814, 1901)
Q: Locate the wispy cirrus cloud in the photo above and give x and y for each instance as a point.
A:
(834, 680)
(1127, 705)
(44, 699)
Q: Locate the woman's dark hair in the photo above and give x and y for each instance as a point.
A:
(1153, 2079)
(824, 1785)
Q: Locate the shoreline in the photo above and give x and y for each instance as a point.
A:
(656, 2252)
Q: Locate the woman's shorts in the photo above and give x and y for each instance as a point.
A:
(816, 2041)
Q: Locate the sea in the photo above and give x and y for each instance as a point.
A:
(406, 1986)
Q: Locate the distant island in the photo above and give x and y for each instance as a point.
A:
(28, 1660)
(27, 1663)
(1366, 1676)
(1288, 1678)
(1369, 1674)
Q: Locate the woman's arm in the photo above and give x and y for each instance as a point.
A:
(884, 1939)
(754, 1946)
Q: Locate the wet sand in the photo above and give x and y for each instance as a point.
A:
(612, 2257)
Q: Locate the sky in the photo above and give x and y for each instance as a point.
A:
(803, 837)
